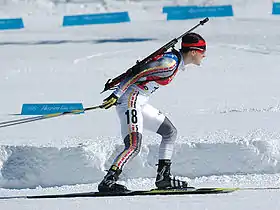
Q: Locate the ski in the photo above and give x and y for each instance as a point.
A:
(185, 191)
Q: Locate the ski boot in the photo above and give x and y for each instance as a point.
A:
(165, 180)
(108, 184)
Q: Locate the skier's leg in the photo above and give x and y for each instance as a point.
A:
(131, 119)
(157, 122)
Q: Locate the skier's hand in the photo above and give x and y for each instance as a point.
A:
(109, 101)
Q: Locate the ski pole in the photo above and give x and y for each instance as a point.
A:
(43, 117)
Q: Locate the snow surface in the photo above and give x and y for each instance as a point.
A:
(226, 111)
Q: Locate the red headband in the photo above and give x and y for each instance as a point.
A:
(200, 43)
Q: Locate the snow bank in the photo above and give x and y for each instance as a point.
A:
(216, 154)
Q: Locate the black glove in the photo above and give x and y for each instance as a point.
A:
(109, 101)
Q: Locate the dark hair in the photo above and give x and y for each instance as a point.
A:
(192, 41)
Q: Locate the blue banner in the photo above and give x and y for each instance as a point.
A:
(43, 109)
(103, 18)
(191, 12)
(8, 24)
(276, 8)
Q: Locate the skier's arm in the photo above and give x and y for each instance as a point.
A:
(161, 68)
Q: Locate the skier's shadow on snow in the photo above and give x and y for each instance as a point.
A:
(99, 41)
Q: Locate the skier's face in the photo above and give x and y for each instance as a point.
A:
(194, 57)
(197, 56)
